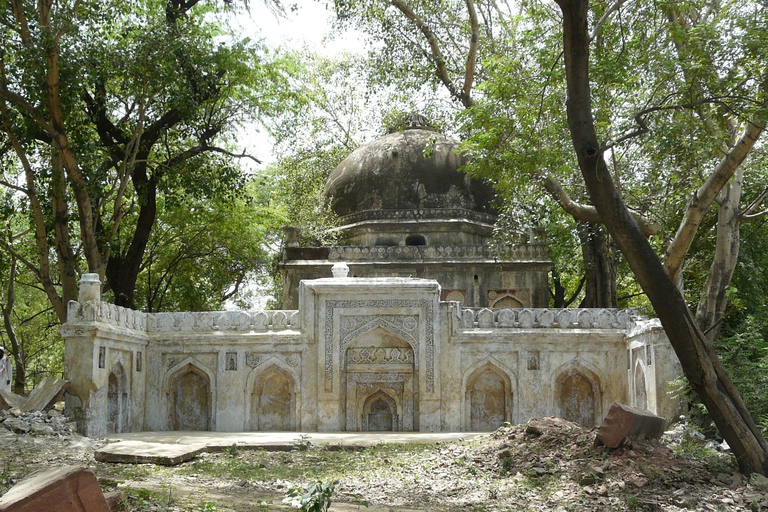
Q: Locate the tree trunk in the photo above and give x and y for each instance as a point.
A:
(701, 366)
(19, 374)
(123, 269)
(714, 298)
(599, 267)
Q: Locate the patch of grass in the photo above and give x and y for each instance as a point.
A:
(143, 499)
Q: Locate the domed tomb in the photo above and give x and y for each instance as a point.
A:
(406, 210)
(412, 167)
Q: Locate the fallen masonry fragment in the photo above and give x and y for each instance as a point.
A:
(62, 489)
(624, 422)
(49, 391)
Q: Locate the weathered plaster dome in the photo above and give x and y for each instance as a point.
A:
(409, 169)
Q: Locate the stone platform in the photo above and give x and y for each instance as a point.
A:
(174, 447)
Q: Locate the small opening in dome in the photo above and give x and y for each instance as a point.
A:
(415, 240)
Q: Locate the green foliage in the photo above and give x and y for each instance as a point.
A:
(205, 253)
(745, 356)
(316, 498)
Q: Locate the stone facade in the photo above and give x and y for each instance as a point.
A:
(359, 354)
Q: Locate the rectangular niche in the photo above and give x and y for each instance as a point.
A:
(231, 361)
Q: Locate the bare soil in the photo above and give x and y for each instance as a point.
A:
(548, 464)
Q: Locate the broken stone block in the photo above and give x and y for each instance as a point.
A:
(63, 489)
(45, 395)
(139, 452)
(624, 422)
(9, 400)
(114, 500)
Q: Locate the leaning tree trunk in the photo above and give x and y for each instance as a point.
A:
(701, 366)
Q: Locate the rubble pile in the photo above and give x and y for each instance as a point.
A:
(39, 423)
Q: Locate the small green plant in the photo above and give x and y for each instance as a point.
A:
(317, 497)
(233, 450)
(302, 443)
(208, 506)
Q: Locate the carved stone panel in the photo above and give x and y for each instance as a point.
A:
(405, 326)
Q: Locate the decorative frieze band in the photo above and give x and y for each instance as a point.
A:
(379, 356)
(440, 253)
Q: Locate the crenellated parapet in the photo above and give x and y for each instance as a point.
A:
(90, 309)
(531, 318)
(105, 313)
(237, 321)
(522, 252)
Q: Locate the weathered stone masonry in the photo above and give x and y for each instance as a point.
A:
(359, 354)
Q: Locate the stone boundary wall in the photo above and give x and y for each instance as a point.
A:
(206, 321)
(282, 320)
(543, 318)
(439, 253)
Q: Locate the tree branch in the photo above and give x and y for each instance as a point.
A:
(702, 199)
(589, 213)
(441, 68)
(607, 14)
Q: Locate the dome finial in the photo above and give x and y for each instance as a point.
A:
(412, 121)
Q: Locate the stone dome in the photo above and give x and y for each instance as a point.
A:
(409, 169)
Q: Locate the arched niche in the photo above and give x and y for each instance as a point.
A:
(272, 400)
(415, 239)
(190, 398)
(379, 413)
(641, 390)
(380, 359)
(488, 398)
(578, 396)
(117, 400)
(506, 301)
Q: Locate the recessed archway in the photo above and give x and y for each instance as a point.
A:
(578, 396)
(379, 413)
(273, 401)
(190, 395)
(641, 392)
(117, 401)
(488, 398)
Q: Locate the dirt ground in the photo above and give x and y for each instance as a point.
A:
(548, 464)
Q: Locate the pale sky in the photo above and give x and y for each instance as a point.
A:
(306, 27)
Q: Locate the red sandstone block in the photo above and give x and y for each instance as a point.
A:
(624, 422)
(62, 489)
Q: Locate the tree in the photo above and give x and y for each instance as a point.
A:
(29, 330)
(107, 106)
(701, 365)
(456, 46)
(206, 253)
